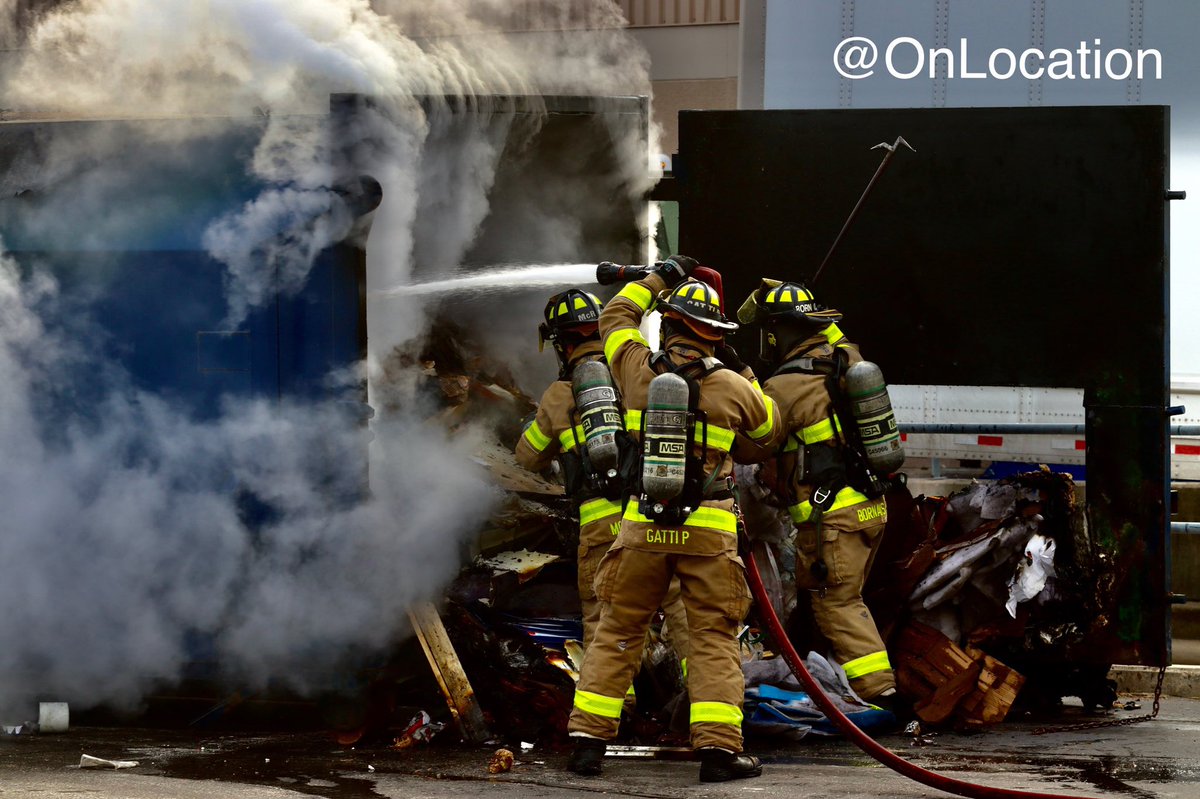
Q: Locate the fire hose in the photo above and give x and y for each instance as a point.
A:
(848, 728)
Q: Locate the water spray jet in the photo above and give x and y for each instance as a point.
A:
(499, 276)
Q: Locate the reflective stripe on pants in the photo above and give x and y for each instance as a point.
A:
(839, 610)
(631, 585)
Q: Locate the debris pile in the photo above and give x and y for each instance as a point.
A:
(981, 595)
(986, 590)
(496, 643)
(420, 730)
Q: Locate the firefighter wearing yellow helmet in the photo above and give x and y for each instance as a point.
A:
(833, 497)
(572, 328)
(695, 417)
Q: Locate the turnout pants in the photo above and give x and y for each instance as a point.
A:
(631, 585)
(677, 629)
(839, 611)
(589, 562)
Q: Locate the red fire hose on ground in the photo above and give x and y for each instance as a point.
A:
(848, 728)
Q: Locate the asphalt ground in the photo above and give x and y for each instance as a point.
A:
(1159, 759)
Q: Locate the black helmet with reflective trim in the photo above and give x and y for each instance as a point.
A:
(794, 301)
(572, 317)
(570, 311)
(786, 314)
(699, 306)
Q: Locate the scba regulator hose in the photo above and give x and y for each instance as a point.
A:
(849, 729)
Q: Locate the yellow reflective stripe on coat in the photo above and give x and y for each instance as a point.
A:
(638, 294)
(867, 664)
(536, 438)
(766, 427)
(821, 431)
(596, 509)
(833, 334)
(719, 438)
(568, 437)
(845, 498)
(717, 712)
(813, 434)
(607, 706)
(717, 519)
(620, 337)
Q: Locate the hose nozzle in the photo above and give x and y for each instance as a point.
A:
(608, 273)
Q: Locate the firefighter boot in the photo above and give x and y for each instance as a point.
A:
(587, 756)
(720, 765)
(895, 704)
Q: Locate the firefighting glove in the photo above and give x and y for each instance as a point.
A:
(675, 269)
(729, 356)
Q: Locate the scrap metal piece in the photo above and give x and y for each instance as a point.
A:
(574, 650)
(87, 761)
(508, 475)
(523, 562)
(998, 543)
(650, 752)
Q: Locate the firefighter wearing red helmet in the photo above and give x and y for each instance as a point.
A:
(695, 417)
(836, 505)
(557, 431)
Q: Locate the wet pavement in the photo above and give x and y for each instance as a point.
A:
(1154, 760)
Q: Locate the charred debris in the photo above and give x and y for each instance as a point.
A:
(988, 599)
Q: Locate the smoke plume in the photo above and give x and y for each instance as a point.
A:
(134, 528)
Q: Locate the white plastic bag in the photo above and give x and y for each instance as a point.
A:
(1034, 568)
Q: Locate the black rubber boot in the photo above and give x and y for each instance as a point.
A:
(899, 707)
(587, 756)
(717, 765)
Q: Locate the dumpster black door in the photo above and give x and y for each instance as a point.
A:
(1015, 247)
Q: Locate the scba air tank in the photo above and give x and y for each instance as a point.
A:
(665, 438)
(872, 408)
(600, 415)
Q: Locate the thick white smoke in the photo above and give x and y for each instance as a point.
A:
(129, 524)
(127, 530)
(283, 58)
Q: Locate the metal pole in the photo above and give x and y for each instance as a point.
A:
(1024, 428)
(1189, 528)
(891, 151)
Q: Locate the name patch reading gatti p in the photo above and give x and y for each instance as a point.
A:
(676, 537)
(873, 512)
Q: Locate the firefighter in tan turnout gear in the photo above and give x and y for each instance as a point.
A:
(695, 417)
(562, 430)
(834, 497)
(572, 327)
